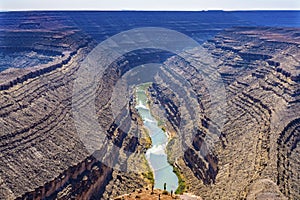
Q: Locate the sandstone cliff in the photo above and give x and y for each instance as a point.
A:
(255, 156)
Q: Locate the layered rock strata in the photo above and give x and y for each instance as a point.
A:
(257, 153)
(42, 156)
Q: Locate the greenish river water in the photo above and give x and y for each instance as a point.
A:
(156, 155)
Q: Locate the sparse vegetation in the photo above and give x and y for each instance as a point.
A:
(147, 138)
(144, 86)
(149, 174)
(165, 192)
(181, 182)
(171, 159)
(160, 122)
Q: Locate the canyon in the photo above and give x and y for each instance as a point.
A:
(246, 149)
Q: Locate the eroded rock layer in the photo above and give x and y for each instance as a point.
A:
(41, 153)
(253, 155)
(257, 153)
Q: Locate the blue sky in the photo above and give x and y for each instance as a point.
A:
(149, 4)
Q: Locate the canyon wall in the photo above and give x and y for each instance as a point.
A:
(254, 155)
(42, 157)
(257, 151)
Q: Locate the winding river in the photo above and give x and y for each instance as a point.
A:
(156, 155)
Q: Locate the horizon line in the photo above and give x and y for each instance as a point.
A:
(133, 10)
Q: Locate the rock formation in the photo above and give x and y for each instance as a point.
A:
(41, 153)
(255, 156)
